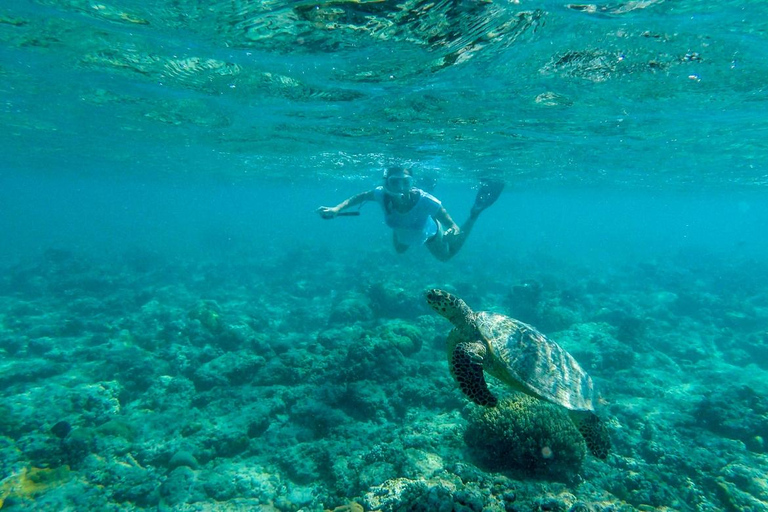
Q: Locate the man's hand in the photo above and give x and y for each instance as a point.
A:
(327, 212)
(452, 231)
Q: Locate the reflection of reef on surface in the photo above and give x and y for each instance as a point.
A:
(452, 32)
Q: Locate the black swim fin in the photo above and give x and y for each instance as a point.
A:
(489, 192)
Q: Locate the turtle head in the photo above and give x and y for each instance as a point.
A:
(449, 306)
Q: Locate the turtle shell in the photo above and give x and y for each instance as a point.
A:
(525, 359)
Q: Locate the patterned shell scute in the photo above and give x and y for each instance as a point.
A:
(523, 356)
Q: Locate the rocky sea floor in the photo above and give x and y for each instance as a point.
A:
(299, 381)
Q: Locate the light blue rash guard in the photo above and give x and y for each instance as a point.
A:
(415, 226)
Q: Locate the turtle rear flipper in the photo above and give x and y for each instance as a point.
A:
(595, 433)
(467, 369)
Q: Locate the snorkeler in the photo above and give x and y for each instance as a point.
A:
(415, 216)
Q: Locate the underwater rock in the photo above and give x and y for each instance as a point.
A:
(112, 440)
(223, 443)
(98, 402)
(61, 429)
(134, 368)
(168, 393)
(352, 506)
(77, 446)
(155, 312)
(350, 310)
(22, 373)
(421, 462)
(230, 369)
(632, 331)
(13, 345)
(229, 482)
(40, 346)
(375, 359)
(405, 337)
(736, 412)
(389, 300)
(379, 464)
(183, 458)
(136, 485)
(180, 487)
(643, 490)
(756, 346)
(257, 427)
(305, 463)
(341, 337)
(249, 482)
(319, 418)
(124, 480)
(11, 425)
(208, 313)
(118, 433)
(555, 317)
(301, 496)
(527, 435)
(742, 350)
(367, 401)
(550, 504)
(220, 485)
(746, 318)
(208, 325)
(40, 449)
(414, 391)
(48, 327)
(241, 336)
(281, 371)
(428, 495)
(741, 487)
(285, 344)
(689, 342)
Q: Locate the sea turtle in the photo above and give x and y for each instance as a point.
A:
(521, 357)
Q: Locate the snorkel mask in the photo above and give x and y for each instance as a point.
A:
(397, 182)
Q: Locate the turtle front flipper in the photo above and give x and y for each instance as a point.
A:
(467, 369)
(595, 433)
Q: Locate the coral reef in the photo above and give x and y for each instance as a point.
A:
(152, 386)
(526, 435)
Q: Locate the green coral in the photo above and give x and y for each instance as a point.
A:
(525, 434)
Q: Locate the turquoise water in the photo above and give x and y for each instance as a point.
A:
(179, 329)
